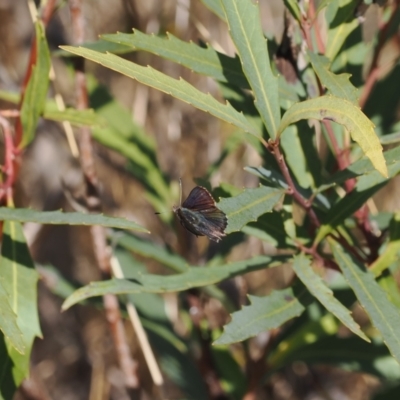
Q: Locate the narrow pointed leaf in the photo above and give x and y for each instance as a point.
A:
(249, 205)
(62, 218)
(344, 113)
(192, 277)
(203, 60)
(243, 18)
(338, 85)
(367, 185)
(19, 278)
(180, 89)
(318, 288)
(264, 313)
(216, 7)
(384, 315)
(8, 320)
(340, 18)
(75, 117)
(36, 90)
(391, 254)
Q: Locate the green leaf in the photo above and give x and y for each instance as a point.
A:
(216, 7)
(367, 185)
(322, 4)
(205, 61)
(270, 228)
(294, 9)
(364, 166)
(338, 85)
(318, 288)
(152, 251)
(102, 46)
(75, 117)
(8, 320)
(36, 90)
(344, 113)
(19, 278)
(61, 218)
(248, 206)
(263, 313)
(341, 22)
(192, 277)
(383, 314)
(177, 88)
(391, 253)
(244, 22)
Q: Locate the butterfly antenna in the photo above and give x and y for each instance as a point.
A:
(180, 195)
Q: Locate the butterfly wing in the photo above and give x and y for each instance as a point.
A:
(199, 199)
(199, 215)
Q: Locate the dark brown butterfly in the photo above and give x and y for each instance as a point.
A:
(200, 215)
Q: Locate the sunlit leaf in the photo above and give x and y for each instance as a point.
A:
(177, 88)
(344, 113)
(244, 22)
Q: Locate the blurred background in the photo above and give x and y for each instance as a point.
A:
(76, 358)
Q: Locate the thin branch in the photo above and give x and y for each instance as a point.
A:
(6, 188)
(273, 147)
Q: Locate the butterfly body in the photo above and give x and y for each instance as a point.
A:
(200, 215)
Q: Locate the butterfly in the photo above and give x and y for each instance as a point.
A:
(200, 215)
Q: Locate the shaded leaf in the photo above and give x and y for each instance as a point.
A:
(364, 166)
(62, 218)
(249, 205)
(244, 22)
(270, 228)
(318, 288)
(383, 314)
(263, 313)
(19, 278)
(344, 113)
(192, 277)
(367, 185)
(36, 91)
(391, 254)
(8, 321)
(153, 251)
(340, 18)
(294, 9)
(178, 88)
(351, 354)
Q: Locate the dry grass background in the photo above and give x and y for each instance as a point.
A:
(76, 360)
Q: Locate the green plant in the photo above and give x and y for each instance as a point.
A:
(337, 232)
